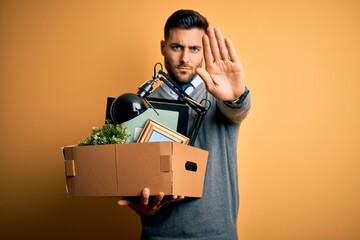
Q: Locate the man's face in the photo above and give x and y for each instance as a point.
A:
(183, 53)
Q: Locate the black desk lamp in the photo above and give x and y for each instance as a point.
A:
(128, 106)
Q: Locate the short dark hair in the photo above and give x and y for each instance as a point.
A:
(186, 19)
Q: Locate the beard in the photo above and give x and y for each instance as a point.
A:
(175, 76)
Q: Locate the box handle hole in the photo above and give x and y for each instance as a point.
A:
(191, 166)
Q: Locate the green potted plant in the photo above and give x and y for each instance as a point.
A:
(107, 134)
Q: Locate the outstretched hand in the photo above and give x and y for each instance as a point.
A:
(146, 208)
(223, 74)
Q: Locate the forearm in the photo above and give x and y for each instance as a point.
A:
(236, 111)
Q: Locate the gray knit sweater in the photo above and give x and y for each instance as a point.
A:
(214, 216)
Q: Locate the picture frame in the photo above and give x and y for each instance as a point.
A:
(156, 132)
(176, 106)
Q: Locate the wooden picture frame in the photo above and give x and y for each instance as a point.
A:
(156, 132)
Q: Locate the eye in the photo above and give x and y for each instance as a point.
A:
(195, 49)
(176, 47)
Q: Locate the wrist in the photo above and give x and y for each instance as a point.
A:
(240, 99)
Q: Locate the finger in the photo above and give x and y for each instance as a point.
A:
(231, 49)
(145, 196)
(207, 50)
(221, 44)
(180, 198)
(213, 44)
(158, 198)
(205, 76)
(123, 202)
(174, 198)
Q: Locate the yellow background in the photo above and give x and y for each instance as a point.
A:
(298, 149)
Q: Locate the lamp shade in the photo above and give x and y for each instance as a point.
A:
(126, 107)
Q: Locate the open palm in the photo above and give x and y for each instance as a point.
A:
(223, 74)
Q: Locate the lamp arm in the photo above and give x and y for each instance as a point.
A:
(146, 88)
(181, 93)
(197, 107)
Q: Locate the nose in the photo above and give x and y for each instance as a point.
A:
(185, 56)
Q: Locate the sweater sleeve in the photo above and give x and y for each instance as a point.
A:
(236, 113)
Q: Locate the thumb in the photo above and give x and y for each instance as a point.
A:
(123, 202)
(205, 76)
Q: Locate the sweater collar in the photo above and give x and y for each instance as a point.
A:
(194, 84)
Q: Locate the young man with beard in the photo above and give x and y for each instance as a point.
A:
(188, 40)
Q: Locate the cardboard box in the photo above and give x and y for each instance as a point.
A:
(126, 169)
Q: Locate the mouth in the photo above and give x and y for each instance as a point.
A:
(184, 68)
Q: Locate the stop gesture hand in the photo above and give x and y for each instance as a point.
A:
(223, 74)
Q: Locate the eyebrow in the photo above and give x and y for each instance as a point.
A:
(181, 45)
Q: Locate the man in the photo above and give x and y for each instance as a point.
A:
(187, 42)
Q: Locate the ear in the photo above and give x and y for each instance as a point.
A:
(162, 47)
